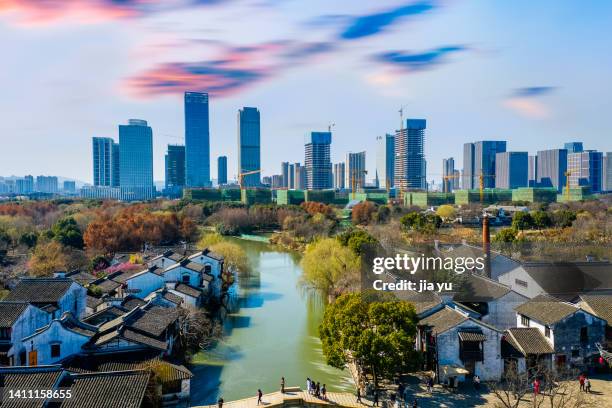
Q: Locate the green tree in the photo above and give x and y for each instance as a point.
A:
(357, 239)
(506, 235)
(98, 263)
(5, 242)
(541, 219)
(420, 222)
(446, 212)
(67, 232)
(28, 239)
(375, 330)
(235, 259)
(330, 267)
(522, 221)
(564, 218)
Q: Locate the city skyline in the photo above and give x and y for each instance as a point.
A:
(328, 64)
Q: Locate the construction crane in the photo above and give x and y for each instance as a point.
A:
(330, 126)
(246, 173)
(356, 181)
(446, 182)
(481, 178)
(567, 185)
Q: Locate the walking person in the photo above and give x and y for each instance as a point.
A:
(282, 385)
(324, 392)
(375, 398)
(318, 390)
(581, 379)
(536, 386)
(430, 384)
(476, 382)
(359, 395)
(220, 402)
(308, 385)
(587, 385)
(259, 395)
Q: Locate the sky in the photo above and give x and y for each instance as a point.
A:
(536, 74)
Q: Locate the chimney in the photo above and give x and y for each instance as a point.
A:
(486, 245)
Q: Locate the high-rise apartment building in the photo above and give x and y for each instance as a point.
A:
(291, 182)
(285, 174)
(339, 176)
(479, 163)
(136, 161)
(551, 168)
(222, 170)
(410, 166)
(277, 181)
(24, 185)
(573, 147)
(116, 166)
(249, 145)
(448, 175)
(385, 160)
(47, 184)
(197, 140)
(585, 169)
(299, 176)
(355, 174)
(102, 150)
(317, 161)
(175, 167)
(511, 169)
(69, 187)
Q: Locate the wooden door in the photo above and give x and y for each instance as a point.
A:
(33, 357)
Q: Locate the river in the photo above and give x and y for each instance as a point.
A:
(273, 334)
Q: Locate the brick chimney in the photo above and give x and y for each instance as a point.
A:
(486, 245)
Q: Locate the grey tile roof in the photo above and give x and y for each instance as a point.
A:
(125, 389)
(476, 288)
(443, 320)
(528, 340)
(171, 297)
(137, 337)
(93, 302)
(81, 277)
(472, 336)
(29, 378)
(422, 301)
(125, 275)
(10, 312)
(105, 315)
(132, 302)
(188, 290)
(40, 291)
(107, 285)
(599, 305)
(546, 309)
(153, 321)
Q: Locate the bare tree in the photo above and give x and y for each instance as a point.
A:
(198, 331)
(512, 388)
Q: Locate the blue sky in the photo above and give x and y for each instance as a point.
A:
(534, 73)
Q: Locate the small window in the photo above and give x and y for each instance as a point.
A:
(584, 334)
(547, 331)
(185, 278)
(525, 321)
(520, 283)
(55, 350)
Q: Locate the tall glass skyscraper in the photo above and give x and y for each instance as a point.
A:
(197, 140)
(136, 161)
(355, 170)
(410, 166)
(222, 170)
(175, 167)
(285, 174)
(249, 146)
(585, 169)
(573, 147)
(317, 161)
(103, 149)
(448, 175)
(385, 160)
(479, 160)
(511, 169)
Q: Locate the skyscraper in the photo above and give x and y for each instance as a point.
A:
(197, 140)
(317, 161)
(136, 160)
(175, 167)
(448, 174)
(607, 172)
(69, 187)
(511, 169)
(532, 172)
(24, 185)
(291, 183)
(222, 170)
(300, 177)
(116, 166)
(339, 174)
(385, 160)
(355, 174)
(479, 161)
(552, 165)
(249, 156)
(573, 147)
(103, 161)
(46, 184)
(585, 169)
(285, 174)
(410, 165)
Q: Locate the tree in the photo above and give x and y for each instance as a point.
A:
(197, 330)
(376, 331)
(541, 219)
(506, 235)
(313, 208)
(357, 239)
(522, 220)
(564, 218)
(234, 257)
(48, 258)
(446, 212)
(208, 240)
(67, 232)
(28, 239)
(98, 263)
(5, 242)
(419, 222)
(329, 267)
(362, 212)
(382, 215)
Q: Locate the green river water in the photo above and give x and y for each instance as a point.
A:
(273, 334)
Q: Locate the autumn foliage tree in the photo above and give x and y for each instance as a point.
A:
(314, 208)
(362, 212)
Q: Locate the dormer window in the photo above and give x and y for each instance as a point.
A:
(524, 321)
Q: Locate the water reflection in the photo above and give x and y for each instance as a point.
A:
(273, 334)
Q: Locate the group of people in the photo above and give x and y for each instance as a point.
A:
(314, 388)
(585, 383)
